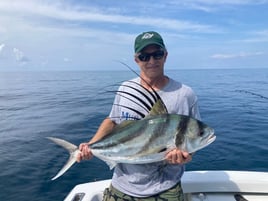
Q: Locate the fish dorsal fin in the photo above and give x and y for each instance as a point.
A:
(158, 108)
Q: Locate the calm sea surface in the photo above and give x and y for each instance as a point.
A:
(71, 105)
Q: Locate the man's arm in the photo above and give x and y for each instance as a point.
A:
(105, 128)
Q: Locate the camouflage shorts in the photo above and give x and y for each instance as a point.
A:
(173, 194)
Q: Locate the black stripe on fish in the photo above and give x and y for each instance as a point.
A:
(109, 144)
(182, 127)
(159, 130)
(201, 128)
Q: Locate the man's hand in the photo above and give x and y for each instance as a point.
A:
(177, 156)
(85, 152)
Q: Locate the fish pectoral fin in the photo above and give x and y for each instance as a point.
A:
(123, 125)
(111, 164)
(163, 150)
(73, 151)
(150, 158)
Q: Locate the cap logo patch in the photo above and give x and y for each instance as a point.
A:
(147, 36)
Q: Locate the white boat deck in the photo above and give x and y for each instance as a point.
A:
(197, 186)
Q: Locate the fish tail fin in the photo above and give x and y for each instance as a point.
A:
(73, 151)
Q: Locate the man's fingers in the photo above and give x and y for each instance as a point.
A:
(177, 156)
(84, 152)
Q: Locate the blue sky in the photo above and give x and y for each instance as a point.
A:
(92, 34)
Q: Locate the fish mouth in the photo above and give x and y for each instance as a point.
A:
(211, 138)
(205, 142)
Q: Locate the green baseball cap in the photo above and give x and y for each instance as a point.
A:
(148, 38)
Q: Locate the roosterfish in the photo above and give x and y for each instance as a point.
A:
(146, 140)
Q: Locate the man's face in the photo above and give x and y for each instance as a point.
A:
(151, 61)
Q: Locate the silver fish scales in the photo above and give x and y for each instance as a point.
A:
(149, 139)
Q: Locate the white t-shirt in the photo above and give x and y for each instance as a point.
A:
(144, 180)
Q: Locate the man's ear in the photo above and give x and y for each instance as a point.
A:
(136, 59)
(166, 54)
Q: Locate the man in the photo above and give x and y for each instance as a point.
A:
(159, 180)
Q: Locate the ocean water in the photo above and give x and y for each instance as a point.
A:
(71, 105)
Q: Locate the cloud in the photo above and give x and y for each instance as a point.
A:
(2, 51)
(67, 59)
(239, 55)
(258, 36)
(90, 14)
(19, 56)
(2, 47)
(66, 32)
(75, 15)
(212, 5)
(231, 2)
